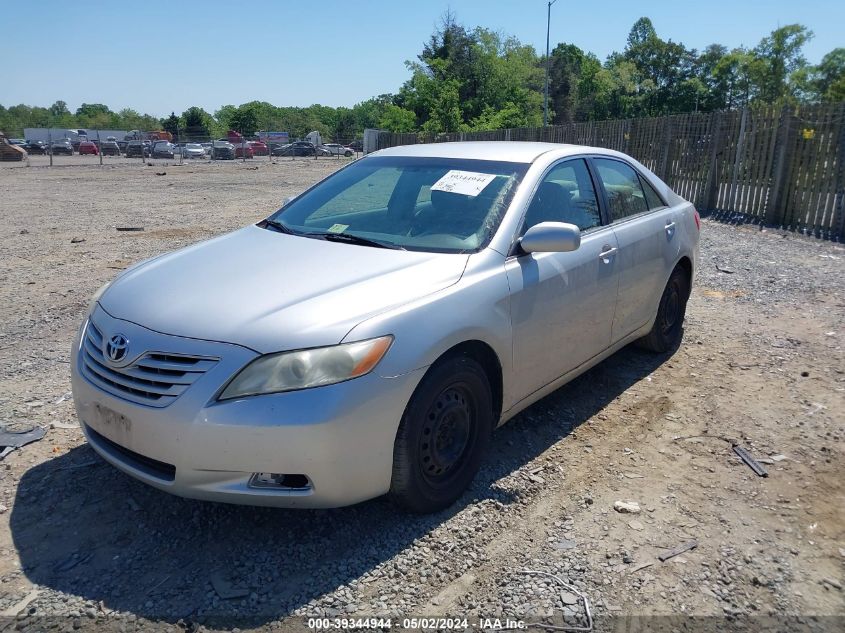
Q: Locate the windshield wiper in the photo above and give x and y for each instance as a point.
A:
(278, 226)
(348, 238)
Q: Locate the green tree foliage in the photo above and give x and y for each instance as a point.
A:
(171, 124)
(396, 119)
(197, 124)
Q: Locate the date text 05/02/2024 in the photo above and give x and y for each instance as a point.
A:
(414, 624)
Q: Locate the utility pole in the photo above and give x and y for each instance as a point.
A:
(548, 61)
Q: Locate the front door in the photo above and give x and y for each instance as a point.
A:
(562, 304)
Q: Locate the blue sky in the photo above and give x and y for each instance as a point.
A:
(157, 56)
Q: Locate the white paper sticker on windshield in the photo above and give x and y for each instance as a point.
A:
(467, 183)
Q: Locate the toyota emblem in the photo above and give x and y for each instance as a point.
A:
(117, 348)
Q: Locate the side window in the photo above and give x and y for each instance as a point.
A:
(622, 185)
(566, 194)
(654, 201)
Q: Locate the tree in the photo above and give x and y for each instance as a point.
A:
(777, 57)
(59, 109)
(171, 124)
(196, 123)
(564, 76)
(244, 119)
(828, 78)
(396, 119)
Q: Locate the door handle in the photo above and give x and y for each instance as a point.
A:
(608, 252)
(670, 226)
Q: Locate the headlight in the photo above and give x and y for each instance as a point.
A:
(288, 371)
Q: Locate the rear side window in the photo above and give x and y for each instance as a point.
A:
(653, 200)
(622, 184)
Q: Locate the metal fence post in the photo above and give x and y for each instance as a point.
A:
(100, 148)
(50, 145)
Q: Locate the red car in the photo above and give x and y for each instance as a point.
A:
(241, 150)
(87, 147)
(259, 148)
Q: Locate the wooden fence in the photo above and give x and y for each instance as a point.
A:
(780, 166)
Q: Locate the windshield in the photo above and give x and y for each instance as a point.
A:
(424, 204)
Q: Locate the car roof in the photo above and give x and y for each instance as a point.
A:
(510, 151)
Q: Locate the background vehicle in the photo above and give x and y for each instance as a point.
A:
(193, 150)
(244, 150)
(137, 148)
(223, 150)
(36, 147)
(17, 141)
(88, 147)
(278, 149)
(163, 149)
(336, 149)
(110, 148)
(61, 147)
(9, 151)
(298, 148)
(259, 148)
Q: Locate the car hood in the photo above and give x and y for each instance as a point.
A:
(271, 291)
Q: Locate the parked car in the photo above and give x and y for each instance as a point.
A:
(193, 150)
(336, 149)
(429, 293)
(244, 150)
(299, 148)
(223, 150)
(122, 145)
(278, 149)
(36, 147)
(259, 148)
(110, 148)
(17, 141)
(357, 145)
(137, 148)
(163, 149)
(207, 147)
(61, 147)
(87, 147)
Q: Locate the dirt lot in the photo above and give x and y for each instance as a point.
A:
(85, 547)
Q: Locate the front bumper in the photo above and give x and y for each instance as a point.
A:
(340, 436)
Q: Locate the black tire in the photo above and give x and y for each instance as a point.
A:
(347, 153)
(443, 435)
(668, 327)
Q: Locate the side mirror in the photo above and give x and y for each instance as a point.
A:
(551, 237)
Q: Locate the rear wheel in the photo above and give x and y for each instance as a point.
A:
(668, 326)
(442, 437)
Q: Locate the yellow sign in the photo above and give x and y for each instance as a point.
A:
(808, 133)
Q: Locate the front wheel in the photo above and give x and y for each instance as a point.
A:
(442, 437)
(668, 328)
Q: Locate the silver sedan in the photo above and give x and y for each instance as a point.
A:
(367, 337)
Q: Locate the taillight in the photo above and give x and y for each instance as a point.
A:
(697, 219)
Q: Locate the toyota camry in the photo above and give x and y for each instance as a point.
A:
(368, 337)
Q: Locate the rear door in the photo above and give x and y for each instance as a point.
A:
(645, 229)
(562, 303)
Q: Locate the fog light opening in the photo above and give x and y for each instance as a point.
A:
(279, 481)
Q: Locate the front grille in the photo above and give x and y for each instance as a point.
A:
(147, 465)
(155, 379)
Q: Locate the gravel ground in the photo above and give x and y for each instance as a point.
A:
(86, 547)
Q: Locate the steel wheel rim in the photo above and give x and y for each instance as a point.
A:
(447, 433)
(671, 308)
